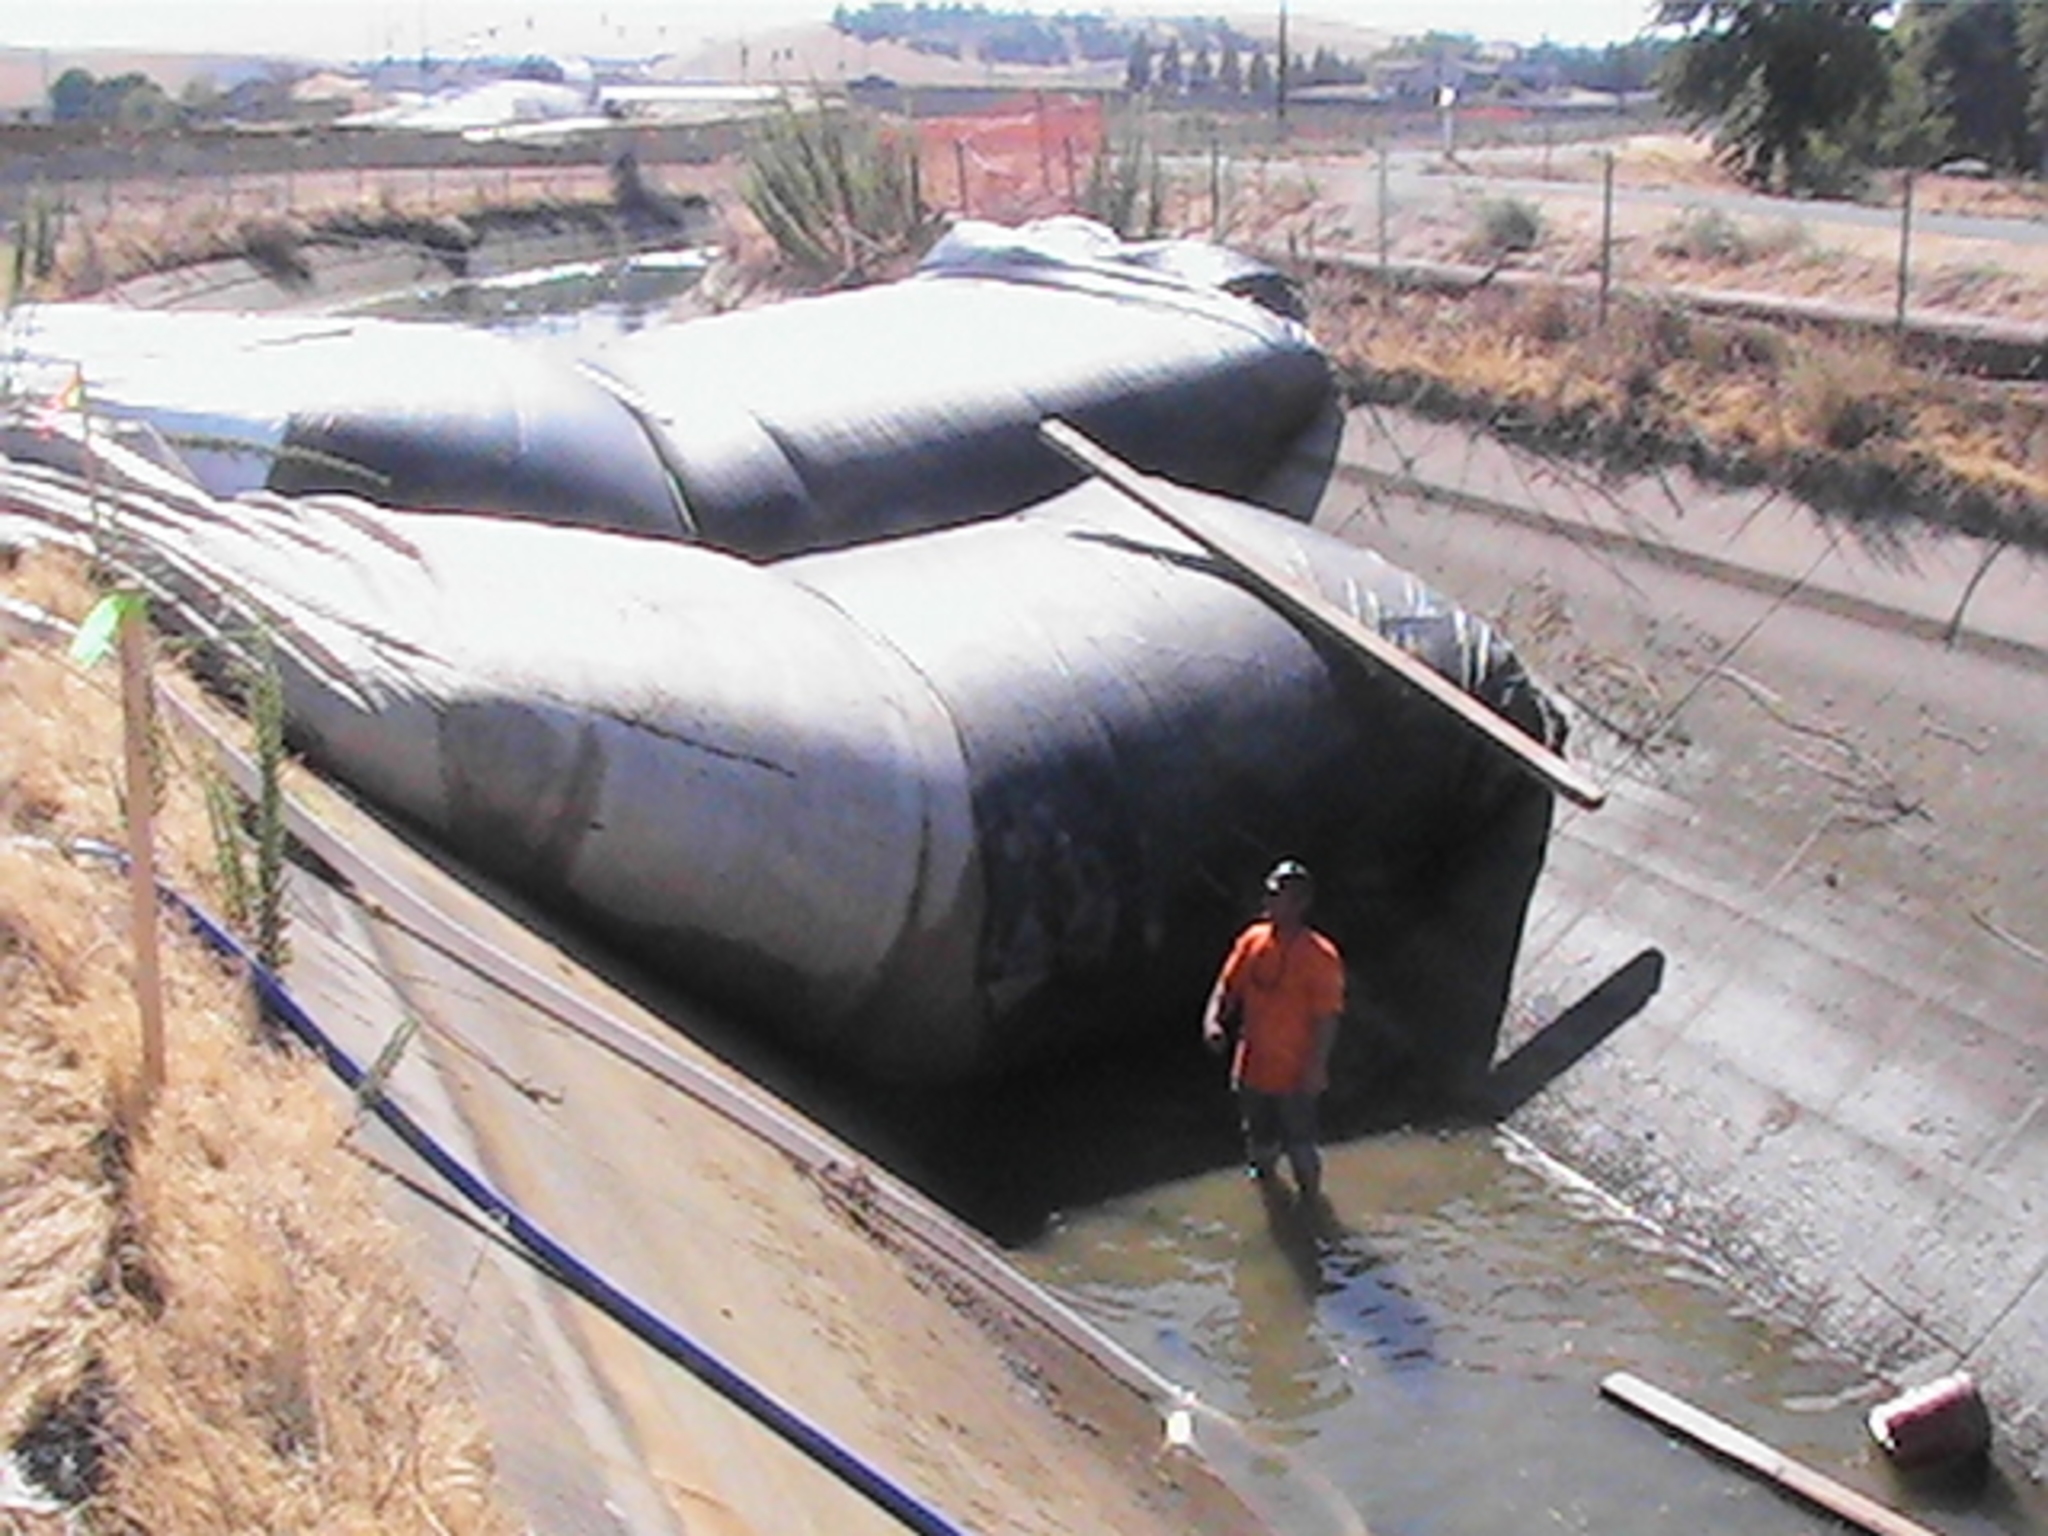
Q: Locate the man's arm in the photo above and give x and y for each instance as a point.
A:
(1214, 1035)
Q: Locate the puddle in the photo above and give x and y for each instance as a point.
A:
(1436, 1351)
(583, 299)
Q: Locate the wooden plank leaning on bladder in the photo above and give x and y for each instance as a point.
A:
(1162, 499)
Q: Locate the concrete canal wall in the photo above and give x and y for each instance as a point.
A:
(1783, 994)
(1828, 1093)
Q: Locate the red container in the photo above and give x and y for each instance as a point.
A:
(1936, 1425)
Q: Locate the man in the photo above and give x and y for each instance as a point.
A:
(1284, 984)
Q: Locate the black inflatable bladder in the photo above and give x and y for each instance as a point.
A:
(811, 424)
(933, 808)
(432, 417)
(494, 430)
(828, 421)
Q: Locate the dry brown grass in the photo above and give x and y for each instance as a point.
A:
(1838, 417)
(220, 1299)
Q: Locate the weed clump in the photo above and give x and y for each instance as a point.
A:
(1505, 226)
(1127, 185)
(1712, 238)
(276, 247)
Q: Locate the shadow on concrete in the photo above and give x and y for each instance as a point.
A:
(1560, 1045)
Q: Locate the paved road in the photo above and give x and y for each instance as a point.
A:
(1419, 179)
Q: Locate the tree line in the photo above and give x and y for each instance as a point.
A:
(1810, 95)
(130, 100)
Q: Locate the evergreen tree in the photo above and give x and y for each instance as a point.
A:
(1964, 64)
(1138, 70)
(2034, 59)
(1171, 77)
(131, 100)
(1230, 68)
(1258, 75)
(1913, 132)
(1793, 88)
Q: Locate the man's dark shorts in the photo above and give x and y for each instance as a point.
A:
(1273, 1121)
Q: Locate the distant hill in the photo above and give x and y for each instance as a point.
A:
(804, 53)
(798, 55)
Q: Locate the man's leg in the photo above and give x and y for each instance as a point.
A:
(1299, 1133)
(1259, 1116)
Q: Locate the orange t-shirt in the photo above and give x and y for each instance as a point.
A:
(1282, 986)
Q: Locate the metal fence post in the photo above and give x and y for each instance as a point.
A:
(1044, 147)
(1381, 210)
(1606, 233)
(1905, 254)
(1215, 187)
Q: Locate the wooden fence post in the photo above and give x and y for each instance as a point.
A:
(138, 731)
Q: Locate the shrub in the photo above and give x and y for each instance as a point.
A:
(1551, 319)
(1705, 234)
(1127, 186)
(1506, 225)
(275, 246)
(837, 195)
(1708, 234)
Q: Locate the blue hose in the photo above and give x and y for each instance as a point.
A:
(552, 1257)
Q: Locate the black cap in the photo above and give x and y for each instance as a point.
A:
(1286, 872)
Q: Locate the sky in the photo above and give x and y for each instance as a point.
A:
(342, 29)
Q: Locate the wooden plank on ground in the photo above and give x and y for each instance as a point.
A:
(1280, 589)
(1746, 1450)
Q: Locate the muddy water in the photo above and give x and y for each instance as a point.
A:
(1435, 1351)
